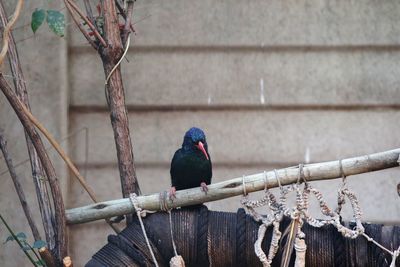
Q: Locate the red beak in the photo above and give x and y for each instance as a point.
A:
(201, 147)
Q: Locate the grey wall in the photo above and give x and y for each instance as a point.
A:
(272, 83)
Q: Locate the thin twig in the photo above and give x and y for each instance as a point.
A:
(7, 29)
(128, 20)
(18, 187)
(83, 31)
(17, 240)
(93, 28)
(123, 14)
(42, 193)
(60, 151)
(63, 155)
(49, 148)
(61, 245)
(89, 12)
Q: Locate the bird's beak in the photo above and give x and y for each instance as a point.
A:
(201, 147)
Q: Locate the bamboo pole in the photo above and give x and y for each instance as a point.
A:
(234, 187)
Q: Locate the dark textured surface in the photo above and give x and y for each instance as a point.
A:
(227, 239)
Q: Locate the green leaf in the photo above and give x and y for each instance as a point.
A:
(21, 235)
(9, 238)
(56, 22)
(38, 17)
(39, 244)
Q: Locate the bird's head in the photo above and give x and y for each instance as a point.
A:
(195, 139)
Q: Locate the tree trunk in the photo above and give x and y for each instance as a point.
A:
(115, 95)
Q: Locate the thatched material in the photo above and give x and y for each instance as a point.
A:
(227, 239)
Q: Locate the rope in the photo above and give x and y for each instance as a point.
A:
(177, 260)
(274, 218)
(341, 200)
(135, 203)
(300, 247)
(278, 179)
(163, 201)
(172, 234)
(300, 212)
(395, 254)
(120, 60)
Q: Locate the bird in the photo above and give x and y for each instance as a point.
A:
(191, 164)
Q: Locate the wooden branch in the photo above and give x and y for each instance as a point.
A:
(123, 14)
(89, 12)
(7, 30)
(128, 22)
(47, 257)
(18, 187)
(91, 26)
(60, 151)
(116, 100)
(80, 26)
(61, 247)
(42, 193)
(67, 262)
(234, 187)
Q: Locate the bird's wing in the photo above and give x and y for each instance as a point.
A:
(174, 168)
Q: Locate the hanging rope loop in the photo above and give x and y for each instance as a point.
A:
(278, 179)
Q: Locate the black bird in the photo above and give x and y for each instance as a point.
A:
(191, 164)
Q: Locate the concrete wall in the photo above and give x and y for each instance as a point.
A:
(272, 83)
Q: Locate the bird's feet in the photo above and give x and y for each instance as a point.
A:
(172, 193)
(204, 187)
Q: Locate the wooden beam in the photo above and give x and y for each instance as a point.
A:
(234, 187)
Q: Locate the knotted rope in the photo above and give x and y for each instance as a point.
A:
(139, 212)
(300, 212)
(177, 260)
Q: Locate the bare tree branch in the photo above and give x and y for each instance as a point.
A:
(89, 12)
(91, 26)
(80, 26)
(18, 187)
(235, 187)
(61, 246)
(128, 21)
(42, 193)
(7, 30)
(47, 257)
